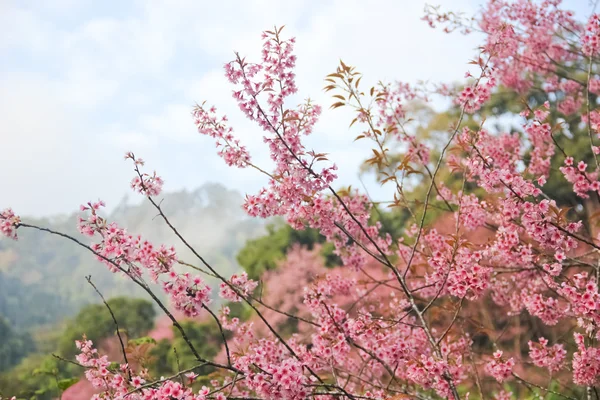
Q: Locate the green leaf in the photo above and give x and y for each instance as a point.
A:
(41, 371)
(64, 384)
(113, 366)
(142, 340)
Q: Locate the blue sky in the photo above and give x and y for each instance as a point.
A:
(81, 82)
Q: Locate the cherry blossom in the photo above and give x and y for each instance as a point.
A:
(500, 227)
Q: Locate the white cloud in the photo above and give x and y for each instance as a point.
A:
(84, 81)
(30, 115)
(48, 162)
(22, 29)
(173, 123)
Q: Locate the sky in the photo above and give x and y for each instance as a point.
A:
(83, 81)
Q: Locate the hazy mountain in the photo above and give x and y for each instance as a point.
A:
(42, 277)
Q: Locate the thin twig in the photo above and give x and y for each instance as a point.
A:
(89, 279)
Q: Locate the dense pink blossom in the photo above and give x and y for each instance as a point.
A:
(550, 357)
(416, 312)
(591, 38)
(586, 363)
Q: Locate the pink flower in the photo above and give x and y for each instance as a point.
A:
(586, 363)
(569, 161)
(500, 370)
(397, 310)
(552, 358)
(238, 284)
(541, 180)
(9, 223)
(191, 377)
(149, 185)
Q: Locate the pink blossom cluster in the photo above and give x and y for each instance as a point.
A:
(188, 294)
(593, 120)
(391, 102)
(428, 373)
(586, 363)
(296, 188)
(550, 357)
(98, 371)
(237, 285)
(277, 376)
(500, 369)
(9, 223)
(455, 271)
(540, 136)
(548, 309)
(117, 382)
(121, 251)
(582, 294)
(530, 44)
(149, 185)
(473, 97)
(226, 323)
(591, 38)
(583, 182)
(229, 147)
(273, 77)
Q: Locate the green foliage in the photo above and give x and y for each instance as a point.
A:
(265, 253)
(27, 305)
(142, 340)
(170, 358)
(43, 377)
(135, 318)
(13, 346)
(240, 310)
(393, 221)
(38, 377)
(64, 384)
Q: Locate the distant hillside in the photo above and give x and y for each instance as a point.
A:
(42, 276)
